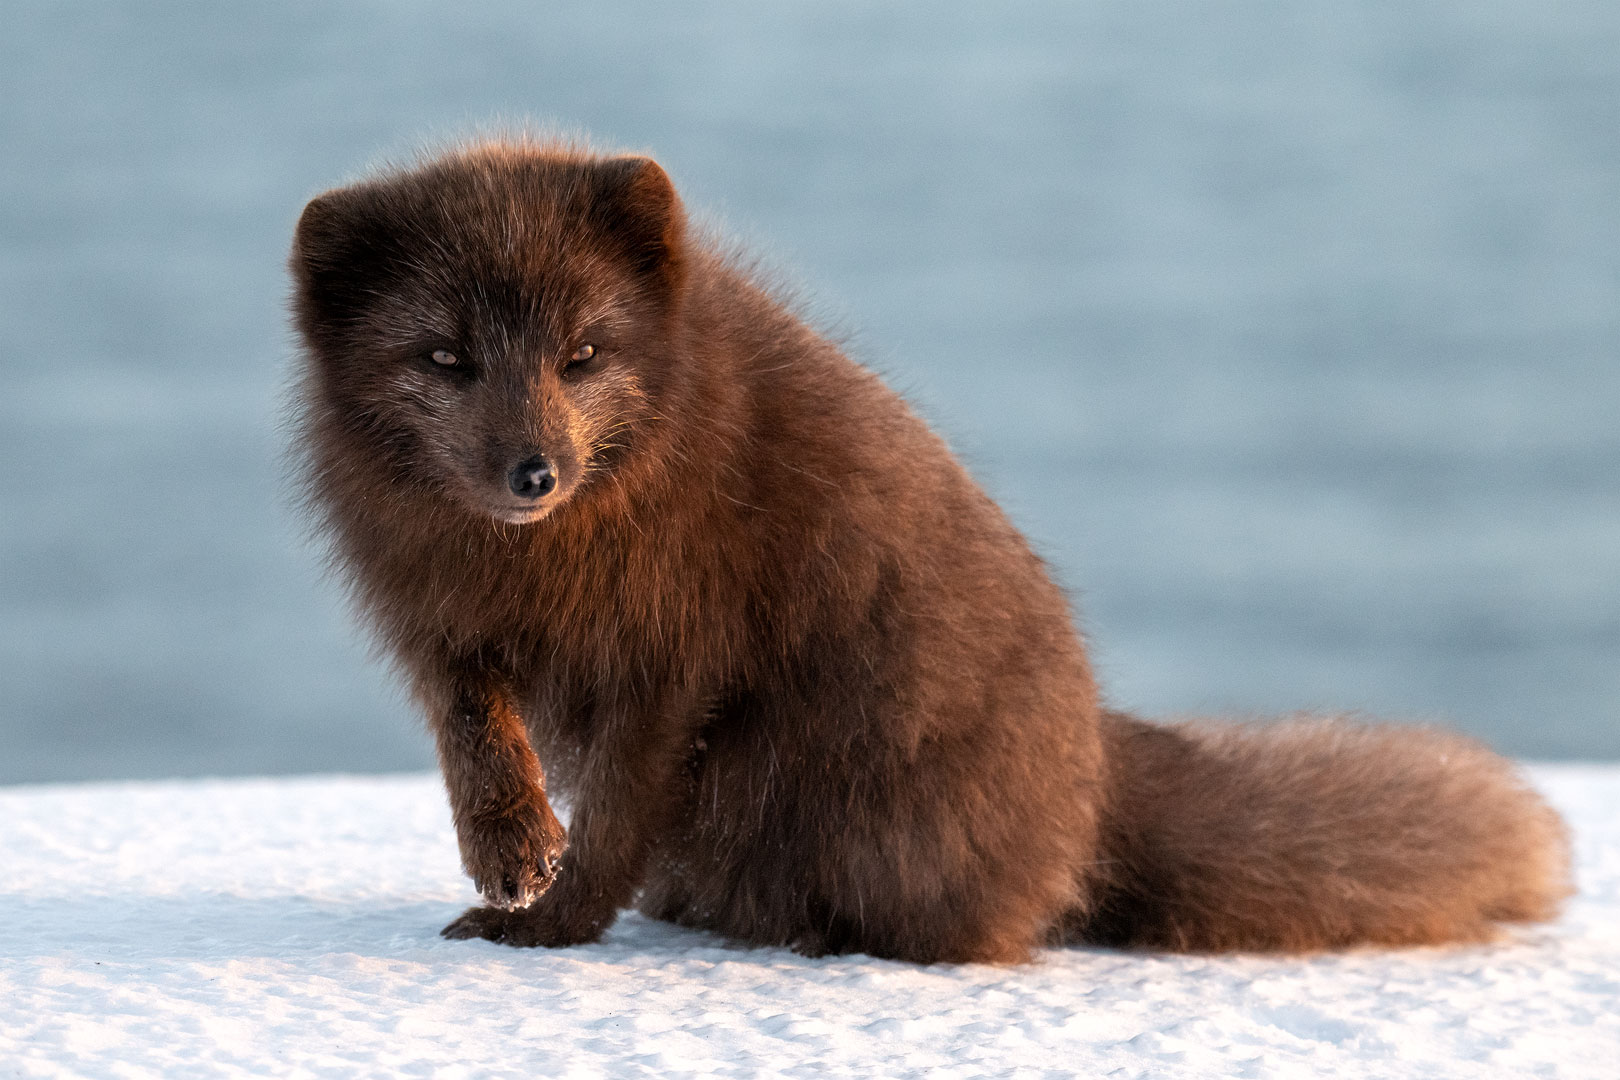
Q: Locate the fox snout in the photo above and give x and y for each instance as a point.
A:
(532, 478)
(523, 482)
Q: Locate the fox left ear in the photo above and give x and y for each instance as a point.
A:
(636, 206)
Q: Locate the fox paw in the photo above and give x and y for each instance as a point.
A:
(512, 855)
(546, 925)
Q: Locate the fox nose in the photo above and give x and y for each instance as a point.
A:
(532, 478)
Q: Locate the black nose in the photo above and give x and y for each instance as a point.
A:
(532, 478)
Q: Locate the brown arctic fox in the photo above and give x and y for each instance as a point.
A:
(614, 507)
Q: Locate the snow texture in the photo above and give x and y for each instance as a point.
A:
(290, 928)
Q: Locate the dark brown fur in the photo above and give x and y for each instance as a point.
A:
(800, 680)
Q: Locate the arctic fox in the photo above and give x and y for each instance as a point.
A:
(614, 507)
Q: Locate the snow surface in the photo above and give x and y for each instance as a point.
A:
(290, 928)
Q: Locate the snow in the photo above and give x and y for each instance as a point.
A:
(289, 928)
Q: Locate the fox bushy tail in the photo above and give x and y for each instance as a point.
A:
(1314, 833)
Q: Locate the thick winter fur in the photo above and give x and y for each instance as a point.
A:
(800, 681)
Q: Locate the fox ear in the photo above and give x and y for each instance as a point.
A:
(636, 206)
(341, 242)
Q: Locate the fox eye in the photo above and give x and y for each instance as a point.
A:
(582, 354)
(445, 358)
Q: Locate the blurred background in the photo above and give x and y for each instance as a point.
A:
(1289, 332)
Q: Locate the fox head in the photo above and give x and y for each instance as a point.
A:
(494, 324)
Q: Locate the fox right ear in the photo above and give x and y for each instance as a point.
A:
(338, 247)
(321, 237)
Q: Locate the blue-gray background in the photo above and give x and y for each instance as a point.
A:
(1289, 332)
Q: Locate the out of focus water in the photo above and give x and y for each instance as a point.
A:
(1290, 333)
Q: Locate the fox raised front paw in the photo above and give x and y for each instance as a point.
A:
(552, 923)
(511, 853)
